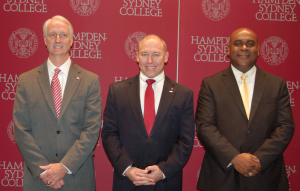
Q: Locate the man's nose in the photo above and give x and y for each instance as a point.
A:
(150, 60)
(244, 47)
(57, 38)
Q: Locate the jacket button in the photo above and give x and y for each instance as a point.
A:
(248, 131)
(56, 155)
(58, 132)
(149, 140)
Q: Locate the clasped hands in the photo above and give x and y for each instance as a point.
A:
(140, 177)
(53, 177)
(246, 164)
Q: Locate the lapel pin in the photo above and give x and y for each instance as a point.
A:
(171, 91)
(77, 77)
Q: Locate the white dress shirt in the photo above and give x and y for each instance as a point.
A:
(157, 88)
(63, 74)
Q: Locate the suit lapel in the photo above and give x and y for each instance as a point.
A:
(259, 88)
(133, 93)
(230, 81)
(165, 102)
(43, 80)
(73, 81)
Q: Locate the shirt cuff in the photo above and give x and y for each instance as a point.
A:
(43, 172)
(126, 169)
(69, 172)
(229, 165)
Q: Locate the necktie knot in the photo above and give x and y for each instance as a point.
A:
(57, 70)
(150, 81)
(244, 76)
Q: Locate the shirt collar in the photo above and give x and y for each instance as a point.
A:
(64, 68)
(157, 79)
(249, 73)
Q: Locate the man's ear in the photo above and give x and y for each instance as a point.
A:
(137, 57)
(166, 57)
(228, 49)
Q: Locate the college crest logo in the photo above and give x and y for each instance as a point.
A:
(85, 7)
(132, 43)
(215, 9)
(10, 131)
(274, 50)
(23, 43)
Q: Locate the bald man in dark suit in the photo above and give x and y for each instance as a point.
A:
(245, 123)
(148, 158)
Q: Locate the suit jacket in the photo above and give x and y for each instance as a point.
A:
(43, 139)
(225, 131)
(126, 141)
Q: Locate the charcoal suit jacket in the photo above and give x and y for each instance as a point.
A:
(43, 139)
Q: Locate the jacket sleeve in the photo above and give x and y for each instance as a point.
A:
(30, 151)
(112, 144)
(182, 148)
(84, 146)
(283, 132)
(214, 142)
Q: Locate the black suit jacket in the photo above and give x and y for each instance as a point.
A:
(225, 131)
(126, 141)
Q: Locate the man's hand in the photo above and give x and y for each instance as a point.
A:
(155, 173)
(246, 164)
(59, 184)
(138, 176)
(54, 174)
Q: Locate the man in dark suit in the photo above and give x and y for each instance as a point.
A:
(148, 144)
(57, 117)
(245, 123)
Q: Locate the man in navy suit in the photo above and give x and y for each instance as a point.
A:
(143, 157)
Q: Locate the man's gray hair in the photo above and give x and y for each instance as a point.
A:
(60, 18)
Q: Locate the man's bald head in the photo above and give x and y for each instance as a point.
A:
(153, 36)
(243, 49)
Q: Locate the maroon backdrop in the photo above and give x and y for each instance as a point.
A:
(105, 41)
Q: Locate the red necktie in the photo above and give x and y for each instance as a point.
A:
(56, 91)
(149, 106)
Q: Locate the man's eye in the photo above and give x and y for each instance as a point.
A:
(51, 35)
(63, 35)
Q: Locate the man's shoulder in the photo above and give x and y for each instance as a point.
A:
(272, 80)
(217, 75)
(83, 71)
(178, 85)
(269, 75)
(33, 72)
(125, 83)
